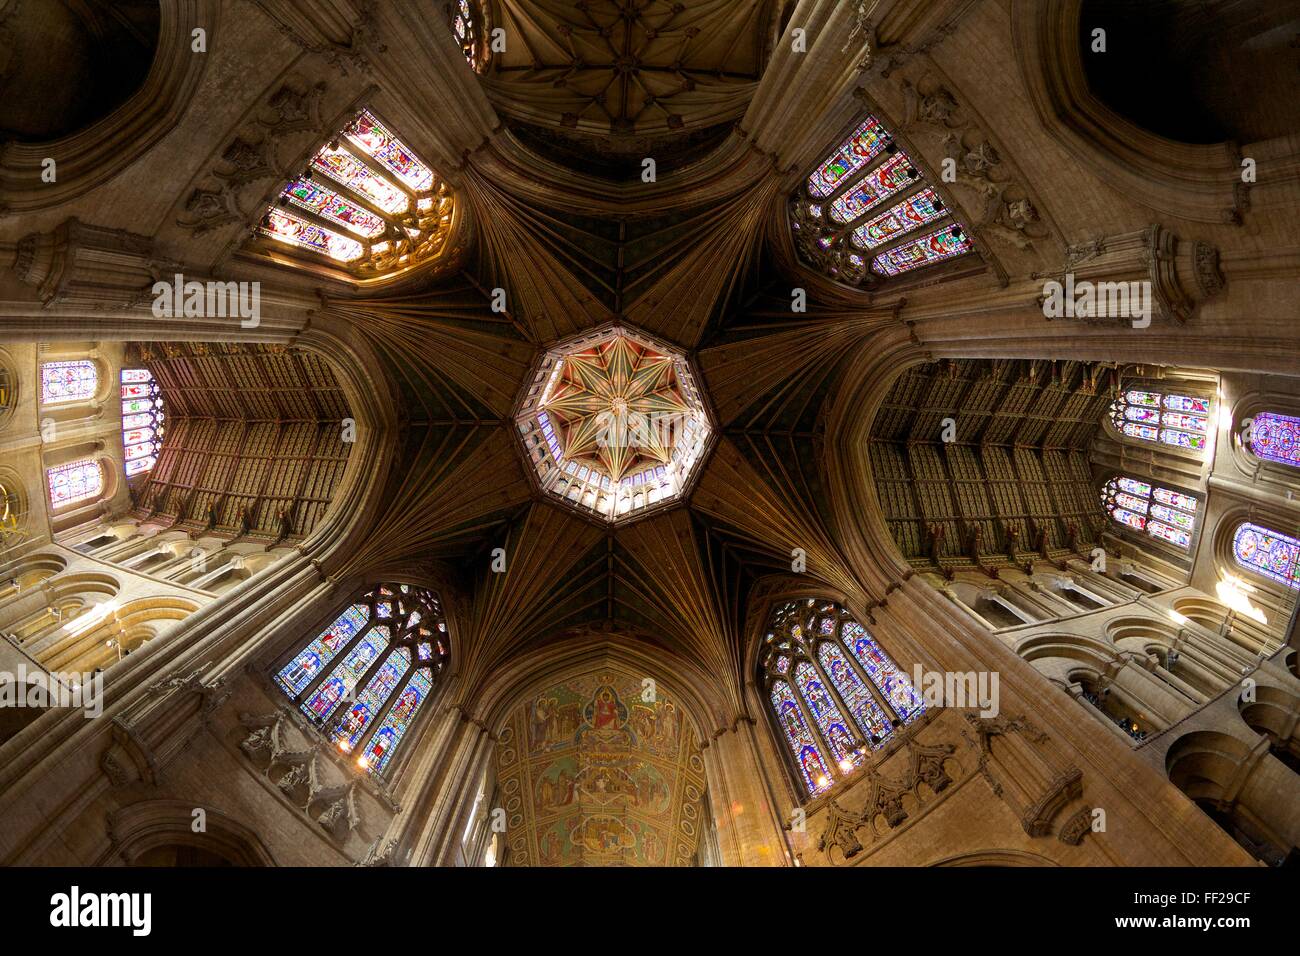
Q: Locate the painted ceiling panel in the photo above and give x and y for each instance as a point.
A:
(595, 772)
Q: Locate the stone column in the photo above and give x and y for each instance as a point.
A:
(749, 826)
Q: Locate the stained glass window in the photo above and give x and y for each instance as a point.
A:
(1276, 438)
(1161, 513)
(365, 202)
(883, 672)
(910, 214)
(807, 754)
(465, 26)
(391, 731)
(826, 715)
(614, 423)
(868, 714)
(1267, 552)
(869, 195)
(75, 481)
(299, 671)
(851, 155)
(837, 668)
(1182, 421)
(363, 679)
(944, 244)
(356, 718)
(142, 420)
(63, 382)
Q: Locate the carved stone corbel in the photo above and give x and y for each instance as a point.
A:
(1076, 827)
(341, 815)
(1181, 274)
(156, 728)
(82, 266)
(841, 831)
(927, 764)
(1025, 771)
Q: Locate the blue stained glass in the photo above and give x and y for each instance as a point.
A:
(1276, 438)
(913, 213)
(341, 682)
(870, 717)
(298, 673)
(357, 718)
(883, 672)
(826, 715)
(942, 244)
(1171, 519)
(1266, 552)
(398, 720)
(807, 755)
(1185, 425)
(851, 155)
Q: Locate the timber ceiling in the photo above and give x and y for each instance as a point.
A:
(254, 444)
(1009, 477)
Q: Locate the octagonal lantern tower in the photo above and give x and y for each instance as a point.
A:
(613, 423)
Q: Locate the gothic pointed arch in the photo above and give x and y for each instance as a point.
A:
(833, 694)
(366, 679)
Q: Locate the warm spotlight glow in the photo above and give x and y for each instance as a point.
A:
(846, 764)
(822, 781)
(92, 617)
(1235, 593)
(1177, 618)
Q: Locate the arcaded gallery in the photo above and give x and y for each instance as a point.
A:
(637, 433)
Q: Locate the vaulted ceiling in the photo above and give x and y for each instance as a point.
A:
(544, 153)
(613, 79)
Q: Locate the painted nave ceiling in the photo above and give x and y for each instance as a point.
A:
(604, 413)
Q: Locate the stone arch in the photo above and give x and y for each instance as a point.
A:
(1182, 664)
(96, 153)
(511, 686)
(1244, 789)
(1197, 182)
(1204, 763)
(1275, 714)
(145, 833)
(1205, 105)
(1064, 651)
(122, 631)
(513, 699)
(15, 719)
(1083, 597)
(996, 858)
(53, 592)
(1241, 630)
(10, 390)
(1257, 608)
(996, 603)
(1246, 408)
(35, 568)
